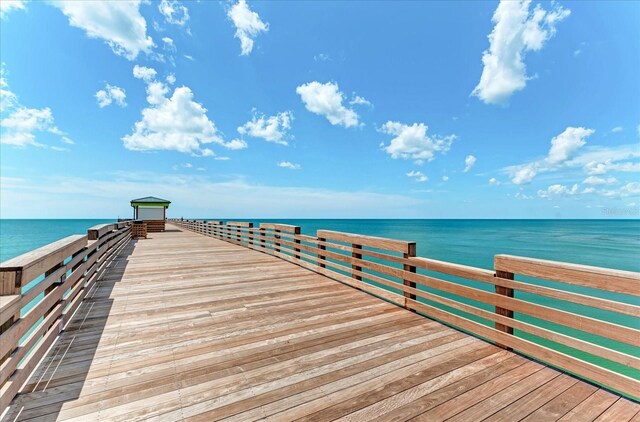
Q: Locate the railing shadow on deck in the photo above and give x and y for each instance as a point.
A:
(44, 323)
(80, 338)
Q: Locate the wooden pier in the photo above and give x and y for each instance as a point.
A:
(226, 321)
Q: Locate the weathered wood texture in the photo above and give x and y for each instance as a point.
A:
(387, 268)
(154, 226)
(139, 230)
(59, 275)
(187, 327)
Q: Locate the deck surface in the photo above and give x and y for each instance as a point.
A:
(184, 326)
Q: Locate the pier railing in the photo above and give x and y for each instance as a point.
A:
(582, 319)
(39, 293)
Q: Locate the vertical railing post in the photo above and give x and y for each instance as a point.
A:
(504, 291)
(250, 234)
(356, 255)
(411, 252)
(276, 244)
(322, 248)
(238, 234)
(296, 231)
(10, 285)
(263, 238)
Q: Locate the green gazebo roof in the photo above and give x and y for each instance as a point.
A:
(150, 201)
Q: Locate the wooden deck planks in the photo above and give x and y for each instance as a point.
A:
(187, 327)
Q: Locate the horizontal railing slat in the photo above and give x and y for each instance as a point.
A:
(618, 281)
(34, 263)
(9, 305)
(592, 372)
(371, 241)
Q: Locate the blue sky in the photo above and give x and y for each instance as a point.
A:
(321, 109)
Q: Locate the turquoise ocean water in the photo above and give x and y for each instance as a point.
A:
(607, 243)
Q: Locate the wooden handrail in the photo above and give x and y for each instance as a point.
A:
(371, 241)
(626, 282)
(60, 274)
(484, 312)
(36, 262)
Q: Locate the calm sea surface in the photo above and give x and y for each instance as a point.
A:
(606, 243)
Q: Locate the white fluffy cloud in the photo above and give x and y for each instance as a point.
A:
(175, 122)
(111, 94)
(595, 180)
(630, 189)
(156, 92)
(563, 148)
(289, 165)
(19, 124)
(178, 123)
(8, 99)
(567, 143)
(517, 31)
(418, 176)
(248, 25)
(596, 161)
(235, 144)
(358, 100)
(595, 167)
(118, 23)
(326, 100)
(558, 190)
(270, 128)
(147, 74)
(469, 161)
(174, 12)
(524, 175)
(494, 182)
(412, 142)
(7, 6)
